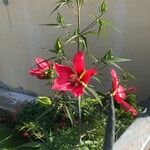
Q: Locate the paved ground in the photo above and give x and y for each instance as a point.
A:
(137, 136)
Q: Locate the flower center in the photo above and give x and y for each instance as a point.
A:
(82, 74)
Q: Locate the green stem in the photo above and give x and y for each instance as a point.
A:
(79, 107)
(91, 24)
(78, 23)
(110, 128)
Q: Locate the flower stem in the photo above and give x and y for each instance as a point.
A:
(79, 107)
(78, 23)
(110, 128)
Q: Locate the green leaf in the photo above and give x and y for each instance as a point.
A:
(4, 140)
(50, 24)
(127, 75)
(100, 23)
(57, 7)
(93, 92)
(69, 114)
(44, 100)
(110, 59)
(108, 23)
(89, 32)
(30, 145)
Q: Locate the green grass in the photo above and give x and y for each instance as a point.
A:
(9, 139)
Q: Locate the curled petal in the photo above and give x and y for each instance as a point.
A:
(114, 79)
(78, 62)
(88, 74)
(37, 72)
(42, 64)
(128, 108)
(114, 74)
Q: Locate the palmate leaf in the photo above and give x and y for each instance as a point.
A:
(112, 60)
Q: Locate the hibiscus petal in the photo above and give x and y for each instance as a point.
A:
(42, 64)
(61, 85)
(62, 82)
(121, 92)
(87, 76)
(114, 74)
(118, 99)
(115, 79)
(37, 72)
(77, 90)
(125, 106)
(78, 62)
(63, 72)
(128, 108)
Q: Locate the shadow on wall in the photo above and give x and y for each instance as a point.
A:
(6, 2)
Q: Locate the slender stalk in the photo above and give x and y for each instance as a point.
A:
(78, 23)
(79, 107)
(91, 24)
(110, 128)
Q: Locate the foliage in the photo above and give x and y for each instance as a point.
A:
(9, 138)
(58, 128)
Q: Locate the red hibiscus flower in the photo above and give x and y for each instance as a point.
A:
(42, 69)
(74, 78)
(120, 94)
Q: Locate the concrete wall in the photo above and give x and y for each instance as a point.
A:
(21, 38)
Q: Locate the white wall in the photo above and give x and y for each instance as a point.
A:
(22, 37)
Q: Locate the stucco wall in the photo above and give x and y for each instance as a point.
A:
(21, 38)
